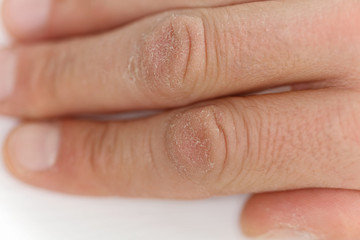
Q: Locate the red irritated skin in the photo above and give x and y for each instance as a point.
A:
(197, 65)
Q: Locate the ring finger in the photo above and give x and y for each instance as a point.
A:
(229, 146)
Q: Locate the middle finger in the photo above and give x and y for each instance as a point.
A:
(182, 57)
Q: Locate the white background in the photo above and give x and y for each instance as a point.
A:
(32, 214)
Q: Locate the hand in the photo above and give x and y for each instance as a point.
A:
(296, 140)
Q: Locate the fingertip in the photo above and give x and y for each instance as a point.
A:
(33, 147)
(268, 217)
(26, 19)
(252, 221)
(30, 154)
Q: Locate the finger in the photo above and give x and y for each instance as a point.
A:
(252, 144)
(303, 215)
(30, 20)
(180, 61)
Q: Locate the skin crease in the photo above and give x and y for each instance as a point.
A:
(271, 143)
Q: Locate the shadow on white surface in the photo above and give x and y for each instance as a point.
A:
(31, 214)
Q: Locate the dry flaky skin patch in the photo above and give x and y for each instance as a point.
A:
(195, 142)
(162, 56)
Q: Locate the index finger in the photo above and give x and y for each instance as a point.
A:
(41, 19)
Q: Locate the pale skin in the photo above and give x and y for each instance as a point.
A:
(298, 152)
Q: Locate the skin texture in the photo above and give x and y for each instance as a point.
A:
(244, 144)
(68, 17)
(128, 72)
(217, 148)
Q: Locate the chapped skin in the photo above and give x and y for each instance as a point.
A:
(230, 145)
(164, 56)
(195, 142)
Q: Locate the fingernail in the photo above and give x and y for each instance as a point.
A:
(287, 234)
(34, 147)
(7, 73)
(27, 16)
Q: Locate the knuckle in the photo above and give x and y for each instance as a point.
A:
(167, 55)
(196, 143)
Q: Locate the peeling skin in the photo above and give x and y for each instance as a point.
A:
(161, 56)
(192, 140)
(158, 53)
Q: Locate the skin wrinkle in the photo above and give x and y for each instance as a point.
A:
(189, 54)
(205, 44)
(229, 140)
(245, 141)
